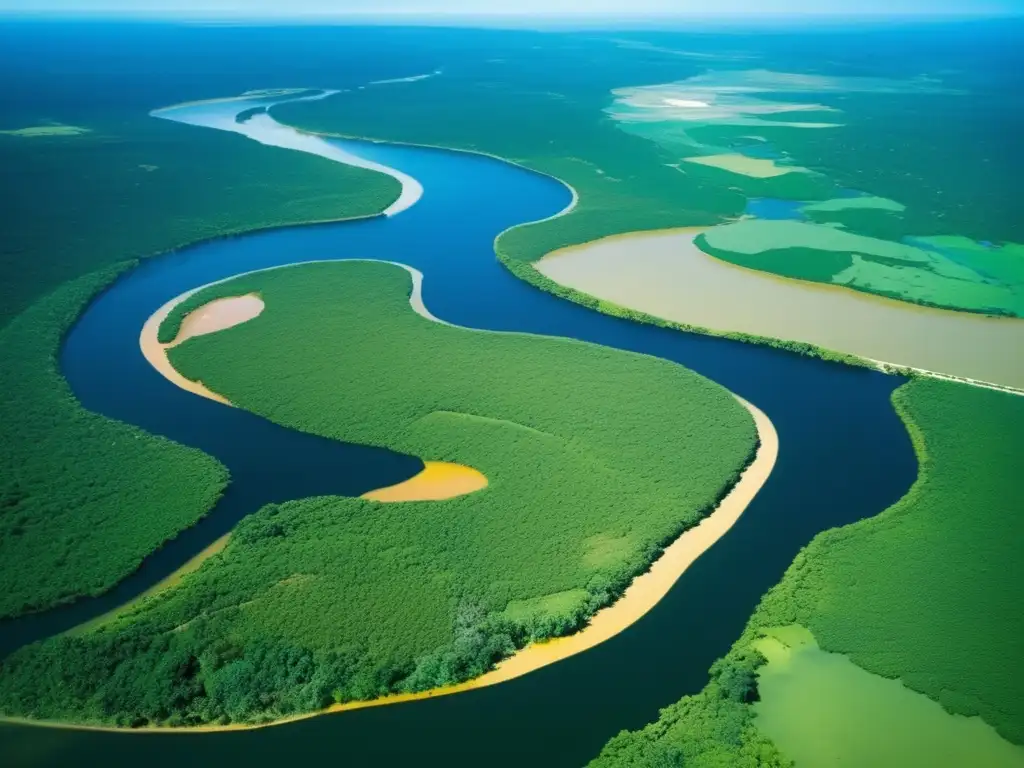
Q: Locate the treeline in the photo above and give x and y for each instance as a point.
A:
(370, 598)
(82, 499)
(927, 591)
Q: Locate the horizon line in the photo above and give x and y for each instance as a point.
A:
(517, 15)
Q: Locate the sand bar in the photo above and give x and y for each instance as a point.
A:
(219, 315)
(156, 353)
(665, 274)
(438, 481)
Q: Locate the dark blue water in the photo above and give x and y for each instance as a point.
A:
(775, 209)
(844, 456)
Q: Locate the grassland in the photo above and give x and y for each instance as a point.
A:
(84, 499)
(926, 592)
(334, 599)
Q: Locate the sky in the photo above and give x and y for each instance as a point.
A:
(739, 8)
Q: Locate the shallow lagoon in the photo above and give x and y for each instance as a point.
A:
(821, 709)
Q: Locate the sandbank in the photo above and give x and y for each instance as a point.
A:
(438, 481)
(754, 167)
(219, 315)
(666, 275)
(156, 353)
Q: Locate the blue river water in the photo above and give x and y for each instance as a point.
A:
(844, 456)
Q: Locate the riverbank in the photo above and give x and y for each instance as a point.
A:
(640, 597)
(263, 129)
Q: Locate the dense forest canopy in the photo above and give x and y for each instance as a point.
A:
(334, 599)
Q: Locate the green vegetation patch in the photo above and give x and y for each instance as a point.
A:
(822, 709)
(922, 275)
(869, 202)
(82, 499)
(38, 131)
(361, 598)
(928, 592)
(756, 236)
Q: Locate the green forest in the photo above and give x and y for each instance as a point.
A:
(84, 499)
(333, 599)
(74, 203)
(927, 592)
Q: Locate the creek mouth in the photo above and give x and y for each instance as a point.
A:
(845, 455)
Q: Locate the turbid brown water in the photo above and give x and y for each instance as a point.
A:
(667, 275)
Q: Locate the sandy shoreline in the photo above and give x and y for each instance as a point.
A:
(170, 581)
(219, 315)
(220, 114)
(640, 597)
(156, 353)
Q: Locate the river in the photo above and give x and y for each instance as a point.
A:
(844, 456)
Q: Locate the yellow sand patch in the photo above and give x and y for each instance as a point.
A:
(754, 167)
(156, 353)
(439, 480)
(219, 315)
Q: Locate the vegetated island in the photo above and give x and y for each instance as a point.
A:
(926, 593)
(330, 600)
(84, 499)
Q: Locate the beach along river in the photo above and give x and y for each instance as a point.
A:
(844, 456)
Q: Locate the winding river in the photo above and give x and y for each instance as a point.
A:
(844, 456)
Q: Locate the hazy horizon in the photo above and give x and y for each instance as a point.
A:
(520, 9)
